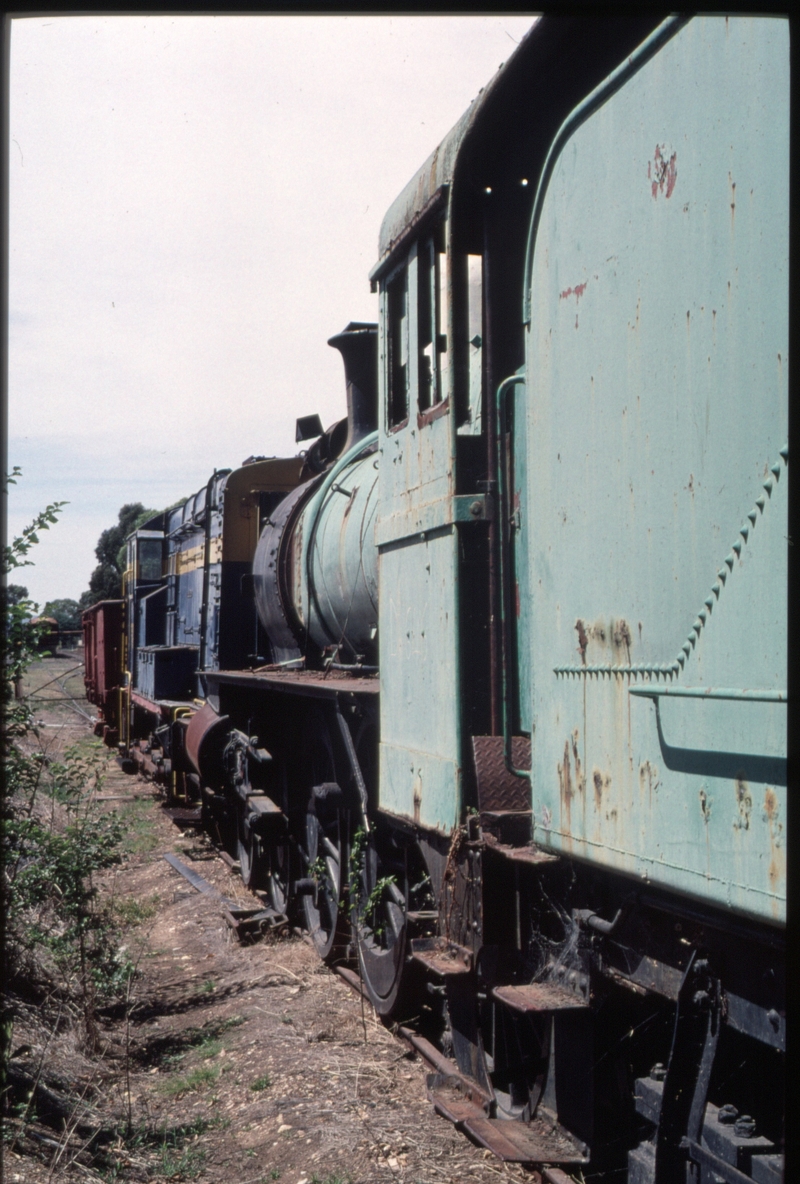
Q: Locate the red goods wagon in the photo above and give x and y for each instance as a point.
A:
(102, 641)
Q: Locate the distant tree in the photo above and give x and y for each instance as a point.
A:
(105, 582)
(66, 612)
(15, 593)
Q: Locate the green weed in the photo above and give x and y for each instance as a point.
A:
(177, 1086)
(136, 912)
(183, 1165)
(139, 827)
(262, 1082)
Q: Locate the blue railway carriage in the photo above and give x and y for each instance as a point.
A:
(189, 606)
(509, 730)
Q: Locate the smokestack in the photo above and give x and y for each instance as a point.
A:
(358, 345)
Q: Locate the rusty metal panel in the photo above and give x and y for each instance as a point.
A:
(657, 471)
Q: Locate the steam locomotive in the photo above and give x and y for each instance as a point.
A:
(488, 685)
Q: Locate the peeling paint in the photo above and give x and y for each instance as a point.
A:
(662, 172)
(744, 801)
(580, 780)
(583, 640)
(705, 805)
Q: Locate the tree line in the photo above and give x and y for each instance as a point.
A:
(105, 582)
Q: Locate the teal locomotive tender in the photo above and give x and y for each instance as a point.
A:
(488, 687)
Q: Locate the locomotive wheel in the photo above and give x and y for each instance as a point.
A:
(322, 845)
(321, 851)
(380, 928)
(250, 852)
(278, 869)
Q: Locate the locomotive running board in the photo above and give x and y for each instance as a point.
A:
(540, 1141)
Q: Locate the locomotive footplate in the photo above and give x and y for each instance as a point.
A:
(296, 682)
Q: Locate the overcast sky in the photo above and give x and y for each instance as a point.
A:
(194, 209)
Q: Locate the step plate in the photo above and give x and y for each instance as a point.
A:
(540, 1141)
(538, 997)
(440, 957)
(450, 1101)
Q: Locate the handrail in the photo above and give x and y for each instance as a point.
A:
(505, 567)
(752, 696)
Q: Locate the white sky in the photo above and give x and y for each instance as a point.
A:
(194, 209)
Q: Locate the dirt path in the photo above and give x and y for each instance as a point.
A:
(239, 1064)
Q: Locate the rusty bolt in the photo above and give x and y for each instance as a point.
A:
(744, 1127)
(658, 1072)
(476, 509)
(774, 1019)
(728, 1114)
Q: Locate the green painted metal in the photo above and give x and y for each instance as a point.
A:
(420, 729)
(337, 599)
(657, 416)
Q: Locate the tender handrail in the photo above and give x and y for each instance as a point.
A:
(505, 566)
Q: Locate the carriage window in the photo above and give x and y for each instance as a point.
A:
(431, 341)
(442, 315)
(397, 310)
(474, 344)
(432, 322)
(149, 558)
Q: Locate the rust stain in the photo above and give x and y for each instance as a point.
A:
(770, 804)
(777, 861)
(583, 640)
(744, 801)
(601, 782)
(622, 637)
(705, 806)
(732, 184)
(597, 778)
(662, 172)
(580, 780)
(417, 797)
(597, 631)
(566, 792)
(648, 779)
(577, 292)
